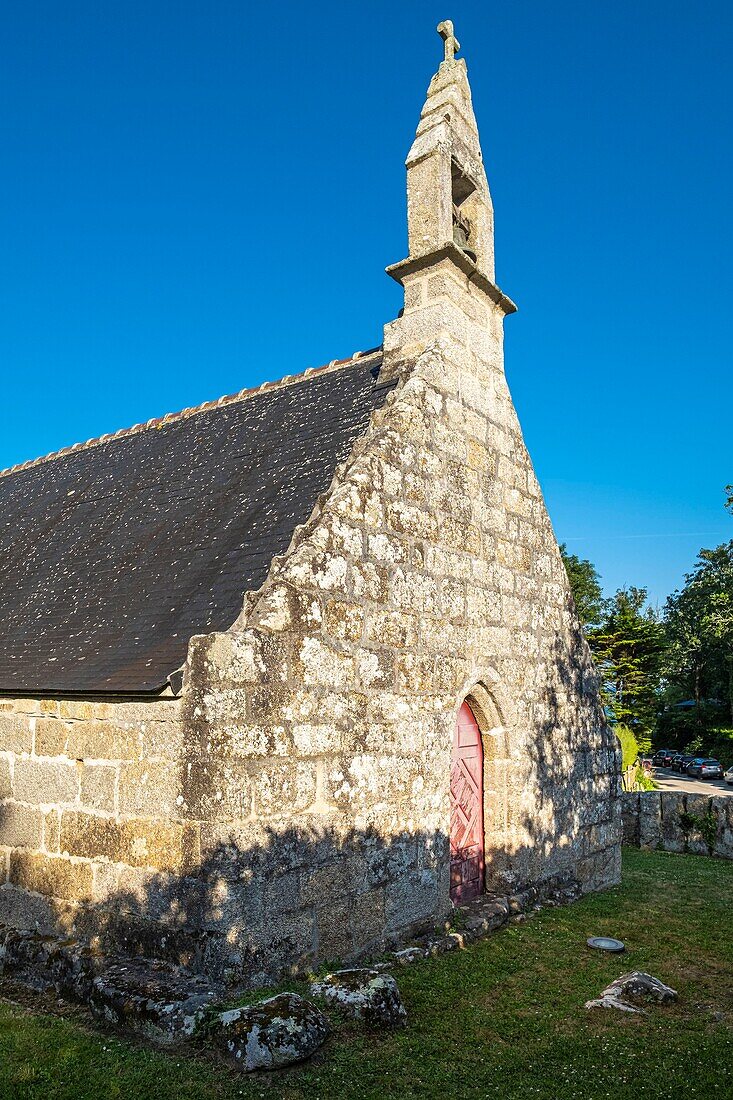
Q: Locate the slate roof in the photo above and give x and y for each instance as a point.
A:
(114, 553)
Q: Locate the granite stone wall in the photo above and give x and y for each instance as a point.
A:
(671, 821)
(89, 796)
(320, 727)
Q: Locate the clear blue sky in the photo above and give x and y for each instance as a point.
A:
(195, 197)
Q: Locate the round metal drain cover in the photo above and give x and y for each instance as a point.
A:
(605, 943)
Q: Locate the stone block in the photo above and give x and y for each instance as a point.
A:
(6, 790)
(149, 789)
(449, 674)
(53, 876)
(388, 549)
(375, 668)
(367, 918)
(20, 826)
(258, 736)
(452, 598)
(457, 535)
(286, 940)
(697, 805)
(158, 709)
(333, 925)
(650, 819)
(344, 621)
(282, 892)
(85, 709)
(168, 846)
(155, 999)
(319, 663)
(332, 881)
(161, 740)
(284, 788)
(50, 737)
(722, 807)
(98, 787)
(41, 782)
(21, 909)
(630, 817)
(364, 995)
(409, 519)
(106, 879)
(391, 627)
(414, 672)
(51, 830)
(102, 740)
(603, 836)
(33, 707)
(673, 806)
(92, 837)
(724, 843)
(600, 870)
(317, 740)
(410, 899)
(15, 733)
(218, 789)
(414, 591)
(136, 842)
(269, 1035)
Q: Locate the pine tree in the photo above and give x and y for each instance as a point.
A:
(628, 647)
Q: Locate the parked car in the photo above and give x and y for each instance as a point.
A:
(681, 760)
(694, 764)
(663, 758)
(729, 775)
(707, 769)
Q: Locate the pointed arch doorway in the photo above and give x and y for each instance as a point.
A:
(466, 809)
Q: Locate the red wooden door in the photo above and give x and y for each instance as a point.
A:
(466, 809)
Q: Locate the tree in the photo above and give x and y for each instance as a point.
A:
(585, 586)
(634, 775)
(699, 625)
(628, 646)
(629, 747)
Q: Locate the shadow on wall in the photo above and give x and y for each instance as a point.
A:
(268, 899)
(249, 912)
(305, 896)
(553, 811)
(253, 915)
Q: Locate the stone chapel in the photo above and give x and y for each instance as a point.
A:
(285, 676)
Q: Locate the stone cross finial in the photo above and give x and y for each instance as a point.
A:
(452, 45)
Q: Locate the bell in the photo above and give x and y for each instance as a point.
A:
(460, 235)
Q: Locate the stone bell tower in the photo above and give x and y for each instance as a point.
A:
(450, 216)
(448, 193)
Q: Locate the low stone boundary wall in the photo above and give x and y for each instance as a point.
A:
(678, 822)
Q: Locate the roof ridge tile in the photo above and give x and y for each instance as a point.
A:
(154, 422)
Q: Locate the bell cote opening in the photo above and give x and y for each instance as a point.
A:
(462, 188)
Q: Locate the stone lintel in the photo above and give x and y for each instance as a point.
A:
(450, 251)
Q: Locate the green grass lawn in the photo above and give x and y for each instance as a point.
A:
(505, 1018)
